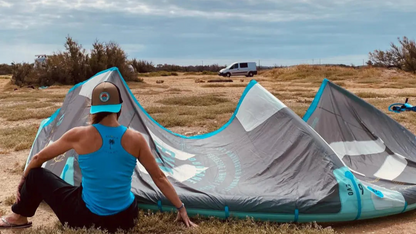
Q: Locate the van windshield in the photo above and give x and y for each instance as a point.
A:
(233, 66)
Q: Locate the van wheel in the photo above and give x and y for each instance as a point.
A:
(250, 74)
(228, 74)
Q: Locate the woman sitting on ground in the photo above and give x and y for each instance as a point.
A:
(107, 157)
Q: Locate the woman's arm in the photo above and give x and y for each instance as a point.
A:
(53, 150)
(65, 143)
(148, 161)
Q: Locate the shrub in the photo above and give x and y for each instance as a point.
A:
(74, 65)
(402, 56)
(5, 69)
(22, 74)
(142, 66)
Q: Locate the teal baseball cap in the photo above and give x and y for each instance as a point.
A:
(106, 97)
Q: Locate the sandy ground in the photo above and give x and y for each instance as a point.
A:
(147, 95)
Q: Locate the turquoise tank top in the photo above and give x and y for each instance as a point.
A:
(107, 174)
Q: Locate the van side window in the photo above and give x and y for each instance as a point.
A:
(243, 65)
(235, 66)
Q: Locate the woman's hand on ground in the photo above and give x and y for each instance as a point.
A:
(22, 181)
(183, 216)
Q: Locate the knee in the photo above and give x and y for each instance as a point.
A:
(35, 173)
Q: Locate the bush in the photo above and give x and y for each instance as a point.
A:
(402, 56)
(5, 69)
(142, 66)
(74, 65)
(23, 74)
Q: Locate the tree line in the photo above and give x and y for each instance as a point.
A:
(74, 64)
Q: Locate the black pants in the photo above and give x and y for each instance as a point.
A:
(67, 203)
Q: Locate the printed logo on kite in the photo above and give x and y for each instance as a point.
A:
(104, 97)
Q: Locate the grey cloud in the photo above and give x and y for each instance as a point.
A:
(209, 29)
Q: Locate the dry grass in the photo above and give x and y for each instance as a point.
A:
(17, 115)
(26, 105)
(200, 73)
(139, 85)
(208, 111)
(164, 223)
(176, 91)
(371, 95)
(191, 116)
(18, 168)
(18, 106)
(293, 95)
(8, 201)
(290, 88)
(283, 95)
(2, 211)
(315, 74)
(147, 92)
(156, 74)
(17, 138)
(312, 73)
(406, 94)
(30, 95)
(206, 100)
(340, 83)
(224, 85)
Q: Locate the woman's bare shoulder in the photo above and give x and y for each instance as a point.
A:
(80, 131)
(134, 135)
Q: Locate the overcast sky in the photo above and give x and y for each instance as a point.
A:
(209, 31)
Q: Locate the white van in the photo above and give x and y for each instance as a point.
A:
(248, 69)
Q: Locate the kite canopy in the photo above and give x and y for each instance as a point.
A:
(265, 162)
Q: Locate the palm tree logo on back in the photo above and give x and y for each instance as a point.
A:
(111, 141)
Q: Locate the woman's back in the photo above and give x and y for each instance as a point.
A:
(106, 168)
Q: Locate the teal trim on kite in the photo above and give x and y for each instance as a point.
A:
(296, 215)
(192, 212)
(315, 101)
(159, 205)
(405, 206)
(227, 212)
(53, 116)
(68, 171)
(350, 176)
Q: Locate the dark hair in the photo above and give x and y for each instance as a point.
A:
(96, 118)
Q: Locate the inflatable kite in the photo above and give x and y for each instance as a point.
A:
(345, 160)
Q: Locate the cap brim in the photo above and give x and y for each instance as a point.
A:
(105, 108)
